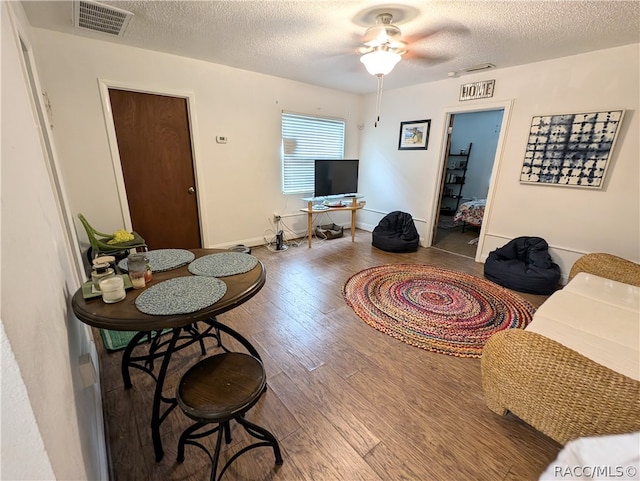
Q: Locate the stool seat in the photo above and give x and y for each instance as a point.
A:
(217, 390)
(220, 387)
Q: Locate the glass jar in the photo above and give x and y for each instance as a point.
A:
(111, 260)
(100, 271)
(139, 270)
(112, 289)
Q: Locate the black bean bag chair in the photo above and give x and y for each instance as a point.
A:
(524, 265)
(396, 232)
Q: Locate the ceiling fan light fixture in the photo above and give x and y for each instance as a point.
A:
(380, 61)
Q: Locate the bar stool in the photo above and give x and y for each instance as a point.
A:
(217, 390)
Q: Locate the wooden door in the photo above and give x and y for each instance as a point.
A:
(154, 142)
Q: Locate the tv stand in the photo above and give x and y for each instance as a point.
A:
(353, 206)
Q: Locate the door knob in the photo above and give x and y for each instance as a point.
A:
(191, 190)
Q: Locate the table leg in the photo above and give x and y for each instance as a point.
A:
(156, 417)
(145, 362)
(126, 358)
(310, 226)
(353, 224)
(213, 322)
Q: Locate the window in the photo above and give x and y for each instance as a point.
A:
(304, 139)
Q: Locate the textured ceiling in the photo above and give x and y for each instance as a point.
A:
(315, 41)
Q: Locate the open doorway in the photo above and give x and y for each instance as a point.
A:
(468, 164)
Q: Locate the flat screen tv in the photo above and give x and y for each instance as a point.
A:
(336, 177)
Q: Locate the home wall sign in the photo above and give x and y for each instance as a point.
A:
(477, 90)
(570, 149)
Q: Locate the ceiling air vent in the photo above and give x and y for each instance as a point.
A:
(98, 17)
(482, 66)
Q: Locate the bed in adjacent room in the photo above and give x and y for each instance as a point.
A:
(470, 213)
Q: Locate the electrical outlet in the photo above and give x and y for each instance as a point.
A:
(276, 217)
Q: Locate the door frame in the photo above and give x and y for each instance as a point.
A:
(448, 112)
(104, 86)
(41, 114)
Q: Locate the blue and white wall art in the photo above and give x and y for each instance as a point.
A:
(570, 149)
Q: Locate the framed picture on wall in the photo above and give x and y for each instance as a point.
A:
(571, 150)
(414, 135)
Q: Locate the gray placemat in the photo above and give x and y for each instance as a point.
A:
(164, 259)
(181, 295)
(223, 264)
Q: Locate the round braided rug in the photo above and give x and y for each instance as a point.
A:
(436, 309)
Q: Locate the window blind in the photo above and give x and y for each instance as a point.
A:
(304, 139)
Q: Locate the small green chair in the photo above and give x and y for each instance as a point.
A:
(100, 241)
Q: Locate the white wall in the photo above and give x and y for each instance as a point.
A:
(572, 220)
(239, 184)
(51, 424)
(23, 453)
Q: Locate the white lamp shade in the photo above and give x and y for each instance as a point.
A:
(380, 62)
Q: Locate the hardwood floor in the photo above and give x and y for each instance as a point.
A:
(345, 401)
(452, 239)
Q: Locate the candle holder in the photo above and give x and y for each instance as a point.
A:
(112, 289)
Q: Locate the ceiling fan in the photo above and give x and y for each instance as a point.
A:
(383, 46)
(382, 49)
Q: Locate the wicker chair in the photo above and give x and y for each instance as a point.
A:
(555, 389)
(609, 266)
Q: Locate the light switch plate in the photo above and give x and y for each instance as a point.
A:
(221, 139)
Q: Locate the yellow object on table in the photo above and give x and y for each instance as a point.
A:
(120, 236)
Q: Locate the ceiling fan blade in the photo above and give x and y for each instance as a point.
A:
(418, 37)
(413, 55)
(343, 51)
(435, 30)
(397, 45)
(419, 43)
